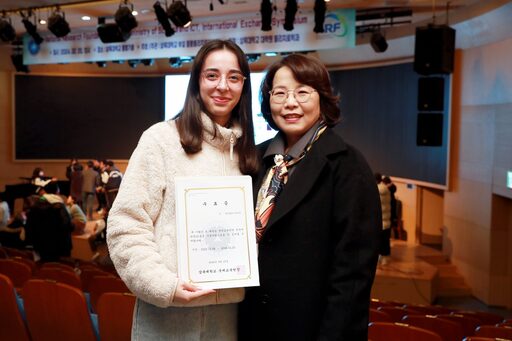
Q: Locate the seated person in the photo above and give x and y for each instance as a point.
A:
(78, 218)
(49, 225)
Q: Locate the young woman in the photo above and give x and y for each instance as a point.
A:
(317, 216)
(212, 136)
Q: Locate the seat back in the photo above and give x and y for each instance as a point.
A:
(448, 330)
(103, 284)
(60, 275)
(430, 309)
(12, 252)
(397, 313)
(56, 311)
(32, 264)
(57, 265)
(385, 331)
(467, 323)
(503, 332)
(115, 315)
(87, 274)
(18, 272)
(486, 318)
(12, 326)
(379, 316)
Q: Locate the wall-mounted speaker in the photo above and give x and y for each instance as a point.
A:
(434, 49)
(431, 94)
(429, 129)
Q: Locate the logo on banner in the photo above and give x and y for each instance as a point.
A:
(336, 24)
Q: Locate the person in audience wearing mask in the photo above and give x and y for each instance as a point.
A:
(317, 216)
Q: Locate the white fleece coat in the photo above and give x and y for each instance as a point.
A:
(141, 230)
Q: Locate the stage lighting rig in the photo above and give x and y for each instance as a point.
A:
(289, 14)
(320, 9)
(163, 19)
(31, 28)
(7, 32)
(124, 17)
(57, 24)
(179, 14)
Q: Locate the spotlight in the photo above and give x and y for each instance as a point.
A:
(124, 18)
(320, 8)
(101, 64)
(162, 18)
(211, 5)
(221, 2)
(58, 25)
(289, 14)
(17, 61)
(32, 30)
(148, 62)
(7, 32)
(253, 57)
(175, 62)
(133, 63)
(378, 42)
(111, 33)
(179, 14)
(266, 15)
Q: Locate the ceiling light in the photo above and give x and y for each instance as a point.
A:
(289, 14)
(31, 29)
(133, 63)
(57, 24)
(7, 32)
(162, 18)
(101, 64)
(266, 15)
(148, 62)
(42, 21)
(86, 18)
(252, 57)
(135, 13)
(124, 17)
(378, 42)
(320, 8)
(179, 14)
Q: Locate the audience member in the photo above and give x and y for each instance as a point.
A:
(75, 177)
(49, 225)
(113, 182)
(394, 210)
(91, 181)
(78, 218)
(385, 202)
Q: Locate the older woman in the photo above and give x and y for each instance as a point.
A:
(317, 216)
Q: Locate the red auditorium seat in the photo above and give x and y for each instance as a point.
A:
(493, 331)
(87, 274)
(12, 326)
(467, 323)
(379, 316)
(385, 331)
(18, 272)
(430, 309)
(102, 284)
(115, 315)
(56, 311)
(448, 330)
(397, 313)
(60, 275)
(486, 318)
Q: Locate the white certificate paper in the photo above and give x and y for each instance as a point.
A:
(215, 231)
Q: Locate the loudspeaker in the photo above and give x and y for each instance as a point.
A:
(431, 94)
(429, 129)
(434, 49)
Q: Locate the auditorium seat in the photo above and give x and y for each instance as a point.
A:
(102, 284)
(375, 303)
(32, 264)
(397, 313)
(88, 273)
(58, 265)
(115, 315)
(430, 309)
(11, 252)
(448, 330)
(18, 272)
(385, 331)
(60, 275)
(12, 324)
(467, 323)
(57, 311)
(493, 331)
(481, 338)
(3, 253)
(486, 318)
(379, 316)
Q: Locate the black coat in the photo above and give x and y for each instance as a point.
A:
(318, 256)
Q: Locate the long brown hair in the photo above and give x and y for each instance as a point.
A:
(307, 71)
(189, 122)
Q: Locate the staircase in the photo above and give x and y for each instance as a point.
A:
(450, 282)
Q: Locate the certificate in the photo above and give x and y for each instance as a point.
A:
(215, 232)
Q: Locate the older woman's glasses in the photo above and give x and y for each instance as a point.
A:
(233, 79)
(302, 94)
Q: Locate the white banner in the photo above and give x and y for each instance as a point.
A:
(148, 40)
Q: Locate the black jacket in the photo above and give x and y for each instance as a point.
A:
(318, 256)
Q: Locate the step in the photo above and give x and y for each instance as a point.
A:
(435, 259)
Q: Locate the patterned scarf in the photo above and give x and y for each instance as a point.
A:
(274, 183)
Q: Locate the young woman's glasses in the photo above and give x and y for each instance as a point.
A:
(233, 79)
(302, 94)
